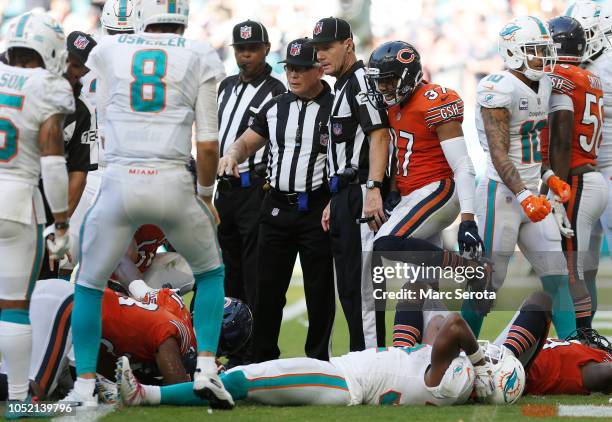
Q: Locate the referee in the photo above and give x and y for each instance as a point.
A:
(356, 160)
(238, 198)
(296, 125)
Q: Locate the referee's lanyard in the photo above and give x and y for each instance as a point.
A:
(302, 202)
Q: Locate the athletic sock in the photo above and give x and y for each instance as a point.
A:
(85, 386)
(471, 316)
(208, 309)
(582, 306)
(152, 394)
(16, 349)
(563, 315)
(86, 327)
(527, 330)
(407, 327)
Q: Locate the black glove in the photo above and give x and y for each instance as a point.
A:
(468, 238)
(393, 198)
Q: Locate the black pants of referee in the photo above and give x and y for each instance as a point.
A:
(348, 239)
(239, 210)
(283, 233)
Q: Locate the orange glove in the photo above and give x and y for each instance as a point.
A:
(536, 207)
(559, 188)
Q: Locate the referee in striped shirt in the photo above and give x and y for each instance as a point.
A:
(238, 198)
(296, 125)
(357, 158)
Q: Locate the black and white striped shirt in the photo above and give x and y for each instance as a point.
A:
(297, 130)
(352, 119)
(238, 102)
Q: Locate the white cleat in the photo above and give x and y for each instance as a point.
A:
(130, 389)
(107, 390)
(209, 387)
(80, 401)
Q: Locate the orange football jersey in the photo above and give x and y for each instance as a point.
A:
(557, 368)
(420, 159)
(148, 238)
(585, 90)
(171, 302)
(138, 329)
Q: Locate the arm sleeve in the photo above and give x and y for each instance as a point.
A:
(370, 118)
(206, 112)
(560, 102)
(55, 182)
(455, 151)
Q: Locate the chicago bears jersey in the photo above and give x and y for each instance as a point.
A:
(147, 90)
(396, 376)
(148, 239)
(580, 91)
(557, 368)
(528, 116)
(602, 67)
(420, 159)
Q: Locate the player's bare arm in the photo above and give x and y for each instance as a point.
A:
(76, 185)
(561, 125)
(379, 152)
(498, 138)
(597, 377)
(169, 362)
(206, 161)
(246, 145)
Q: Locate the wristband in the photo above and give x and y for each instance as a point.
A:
(477, 356)
(63, 225)
(205, 190)
(524, 194)
(547, 175)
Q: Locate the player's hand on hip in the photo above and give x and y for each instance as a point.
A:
(536, 207)
(468, 238)
(373, 209)
(58, 245)
(484, 383)
(325, 218)
(228, 166)
(558, 210)
(209, 203)
(559, 188)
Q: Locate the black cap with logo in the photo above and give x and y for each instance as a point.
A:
(79, 45)
(300, 53)
(331, 29)
(249, 32)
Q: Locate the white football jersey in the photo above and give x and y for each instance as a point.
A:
(397, 376)
(147, 88)
(528, 116)
(602, 67)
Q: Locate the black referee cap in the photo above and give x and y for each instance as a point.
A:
(79, 45)
(331, 29)
(249, 32)
(300, 53)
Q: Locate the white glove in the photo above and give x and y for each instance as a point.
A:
(57, 245)
(484, 384)
(565, 227)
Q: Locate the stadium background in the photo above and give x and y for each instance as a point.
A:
(457, 42)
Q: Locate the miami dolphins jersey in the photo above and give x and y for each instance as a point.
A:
(147, 88)
(528, 116)
(396, 376)
(602, 67)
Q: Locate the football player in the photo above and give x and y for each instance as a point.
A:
(596, 22)
(435, 175)
(151, 87)
(35, 99)
(512, 108)
(438, 373)
(575, 122)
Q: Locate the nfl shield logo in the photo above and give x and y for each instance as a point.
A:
(81, 42)
(324, 139)
(295, 49)
(337, 129)
(245, 32)
(318, 28)
(274, 212)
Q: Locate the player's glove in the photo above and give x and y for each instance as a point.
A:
(468, 239)
(393, 198)
(484, 383)
(559, 188)
(57, 245)
(535, 207)
(558, 210)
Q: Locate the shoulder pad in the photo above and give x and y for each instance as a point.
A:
(495, 91)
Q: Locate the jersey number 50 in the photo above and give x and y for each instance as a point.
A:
(148, 89)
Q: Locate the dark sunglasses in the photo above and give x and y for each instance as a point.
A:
(297, 68)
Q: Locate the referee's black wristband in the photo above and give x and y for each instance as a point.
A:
(64, 225)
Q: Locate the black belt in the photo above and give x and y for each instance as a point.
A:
(293, 198)
(226, 183)
(349, 176)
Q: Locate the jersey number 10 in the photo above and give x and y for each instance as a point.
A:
(148, 88)
(530, 145)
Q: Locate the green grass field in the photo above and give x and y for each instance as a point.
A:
(292, 339)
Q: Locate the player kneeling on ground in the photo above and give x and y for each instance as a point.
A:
(437, 373)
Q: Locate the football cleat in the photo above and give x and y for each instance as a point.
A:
(208, 386)
(80, 401)
(107, 390)
(130, 390)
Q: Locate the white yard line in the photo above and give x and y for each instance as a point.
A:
(294, 310)
(584, 411)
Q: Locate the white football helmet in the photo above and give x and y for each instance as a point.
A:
(42, 33)
(149, 12)
(508, 374)
(605, 22)
(588, 12)
(523, 39)
(118, 16)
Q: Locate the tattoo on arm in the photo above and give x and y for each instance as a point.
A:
(496, 123)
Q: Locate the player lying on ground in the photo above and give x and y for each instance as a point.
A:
(436, 372)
